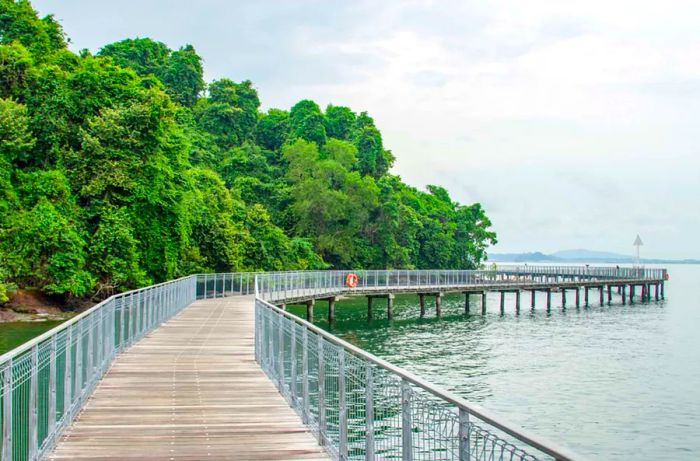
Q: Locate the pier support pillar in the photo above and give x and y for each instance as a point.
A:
(466, 302)
(421, 298)
(549, 300)
(310, 310)
(517, 302)
(578, 298)
(602, 295)
(656, 292)
(563, 298)
(483, 303)
(609, 294)
(438, 304)
(624, 294)
(644, 292)
(390, 306)
(331, 309)
(632, 288)
(503, 302)
(585, 296)
(532, 299)
(369, 307)
(662, 290)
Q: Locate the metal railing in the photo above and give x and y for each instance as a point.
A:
(362, 407)
(351, 398)
(281, 286)
(45, 382)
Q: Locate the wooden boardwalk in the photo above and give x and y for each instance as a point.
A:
(190, 390)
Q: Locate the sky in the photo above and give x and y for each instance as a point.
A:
(575, 124)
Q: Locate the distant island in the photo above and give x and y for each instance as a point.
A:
(581, 256)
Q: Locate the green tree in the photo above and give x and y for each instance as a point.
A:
(181, 71)
(306, 122)
(339, 121)
(230, 113)
(273, 129)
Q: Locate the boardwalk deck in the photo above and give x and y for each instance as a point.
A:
(190, 390)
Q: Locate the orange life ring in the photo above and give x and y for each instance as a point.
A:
(351, 280)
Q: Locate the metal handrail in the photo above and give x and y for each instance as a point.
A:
(537, 442)
(279, 287)
(46, 381)
(289, 286)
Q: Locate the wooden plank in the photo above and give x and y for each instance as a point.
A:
(190, 390)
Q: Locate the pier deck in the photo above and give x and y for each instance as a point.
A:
(190, 390)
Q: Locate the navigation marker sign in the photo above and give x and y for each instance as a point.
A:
(638, 242)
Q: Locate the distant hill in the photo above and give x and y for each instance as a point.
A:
(581, 256)
(590, 255)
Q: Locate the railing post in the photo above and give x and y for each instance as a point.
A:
(280, 354)
(7, 412)
(51, 423)
(204, 287)
(122, 326)
(77, 393)
(342, 408)
(305, 378)
(464, 436)
(406, 424)
(131, 318)
(321, 392)
(369, 414)
(33, 400)
(293, 365)
(90, 348)
(68, 376)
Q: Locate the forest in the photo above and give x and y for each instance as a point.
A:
(123, 167)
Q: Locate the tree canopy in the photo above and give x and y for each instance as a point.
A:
(124, 168)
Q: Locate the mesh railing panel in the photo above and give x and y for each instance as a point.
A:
(360, 410)
(44, 383)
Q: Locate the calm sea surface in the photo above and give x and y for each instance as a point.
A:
(614, 382)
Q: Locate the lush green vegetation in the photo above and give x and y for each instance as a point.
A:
(124, 168)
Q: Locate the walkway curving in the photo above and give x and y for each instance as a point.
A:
(190, 390)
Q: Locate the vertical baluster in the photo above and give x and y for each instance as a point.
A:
(33, 403)
(464, 439)
(51, 423)
(342, 408)
(77, 390)
(369, 413)
(122, 326)
(321, 391)
(68, 377)
(7, 411)
(280, 353)
(305, 378)
(293, 367)
(90, 348)
(406, 423)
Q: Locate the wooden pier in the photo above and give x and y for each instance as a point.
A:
(190, 390)
(625, 289)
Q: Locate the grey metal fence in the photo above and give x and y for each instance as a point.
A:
(46, 381)
(281, 286)
(361, 407)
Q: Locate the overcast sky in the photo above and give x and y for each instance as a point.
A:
(574, 124)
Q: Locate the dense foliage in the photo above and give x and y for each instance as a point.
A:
(124, 168)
